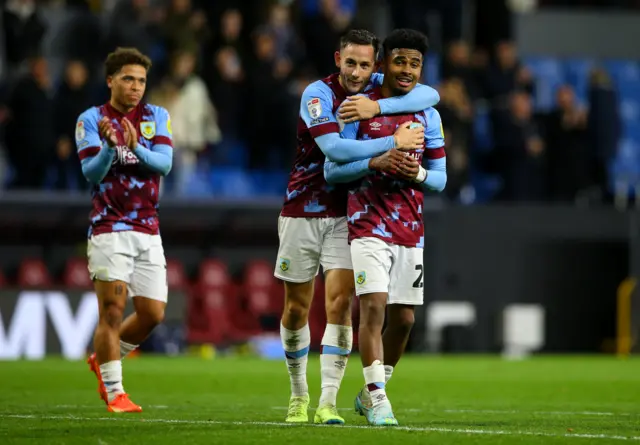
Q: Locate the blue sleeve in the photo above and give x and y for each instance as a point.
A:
(418, 99)
(376, 79)
(316, 109)
(160, 157)
(95, 156)
(434, 152)
(436, 175)
(340, 149)
(335, 173)
(433, 133)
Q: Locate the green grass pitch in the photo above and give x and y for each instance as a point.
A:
(437, 400)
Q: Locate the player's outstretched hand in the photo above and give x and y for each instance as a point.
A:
(130, 134)
(409, 138)
(357, 108)
(107, 132)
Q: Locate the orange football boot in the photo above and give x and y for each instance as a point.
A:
(122, 404)
(95, 367)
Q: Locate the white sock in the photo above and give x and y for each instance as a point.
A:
(296, 351)
(374, 378)
(112, 377)
(126, 348)
(336, 347)
(388, 370)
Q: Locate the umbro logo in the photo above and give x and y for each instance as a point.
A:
(375, 126)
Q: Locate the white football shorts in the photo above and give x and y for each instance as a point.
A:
(382, 267)
(308, 243)
(133, 257)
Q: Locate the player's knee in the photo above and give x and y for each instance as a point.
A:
(153, 318)
(406, 321)
(297, 302)
(296, 309)
(111, 315)
(339, 308)
(372, 310)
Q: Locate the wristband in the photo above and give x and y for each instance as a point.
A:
(422, 175)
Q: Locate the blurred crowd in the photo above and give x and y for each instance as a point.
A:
(231, 74)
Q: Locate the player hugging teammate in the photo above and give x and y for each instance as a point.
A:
(313, 223)
(385, 220)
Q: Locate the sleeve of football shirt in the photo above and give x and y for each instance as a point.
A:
(95, 156)
(434, 154)
(159, 157)
(316, 110)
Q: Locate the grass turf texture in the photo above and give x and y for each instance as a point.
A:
(450, 400)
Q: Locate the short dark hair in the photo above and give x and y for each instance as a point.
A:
(125, 56)
(407, 39)
(360, 37)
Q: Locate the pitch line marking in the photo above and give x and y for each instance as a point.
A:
(289, 425)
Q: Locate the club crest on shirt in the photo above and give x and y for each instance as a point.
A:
(80, 131)
(314, 107)
(148, 129)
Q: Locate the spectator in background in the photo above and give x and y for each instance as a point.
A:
(520, 152)
(193, 116)
(567, 153)
(31, 136)
(230, 35)
(268, 92)
(321, 29)
(457, 64)
(71, 99)
(506, 75)
(456, 112)
(227, 91)
(134, 23)
(184, 29)
(78, 36)
(23, 31)
(287, 43)
(604, 126)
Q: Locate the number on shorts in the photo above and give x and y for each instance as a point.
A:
(418, 283)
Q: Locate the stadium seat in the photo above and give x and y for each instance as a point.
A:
(577, 75)
(76, 274)
(482, 131)
(32, 272)
(213, 273)
(176, 275)
(261, 295)
(626, 75)
(211, 307)
(549, 74)
(625, 169)
(231, 183)
(432, 70)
